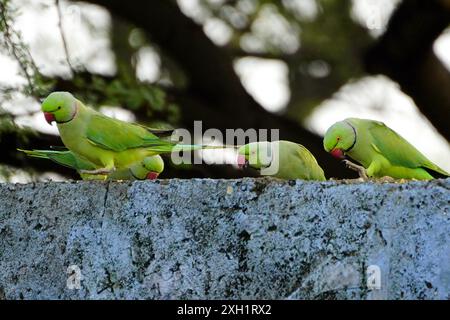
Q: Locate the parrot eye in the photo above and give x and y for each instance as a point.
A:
(59, 108)
(338, 138)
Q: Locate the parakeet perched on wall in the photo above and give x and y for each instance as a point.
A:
(379, 149)
(106, 142)
(294, 161)
(148, 168)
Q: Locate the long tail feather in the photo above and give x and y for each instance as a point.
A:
(37, 153)
(64, 158)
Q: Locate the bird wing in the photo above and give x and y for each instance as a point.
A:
(311, 165)
(397, 150)
(117, 135)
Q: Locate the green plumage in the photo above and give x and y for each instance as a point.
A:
(115, 135)
(380, 150)
(294, 160)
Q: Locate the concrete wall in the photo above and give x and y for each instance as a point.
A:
(250, 238)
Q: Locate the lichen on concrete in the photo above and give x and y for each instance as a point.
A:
(225, 239)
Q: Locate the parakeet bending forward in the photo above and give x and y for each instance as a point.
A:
(294, 160)
(148, 168)
(379, 149)
(106, 142)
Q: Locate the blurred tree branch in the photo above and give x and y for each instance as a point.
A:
(63, 37)
(13, 42)
(405, 54)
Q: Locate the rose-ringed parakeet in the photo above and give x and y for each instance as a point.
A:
(379, 149)
(149, 168)
(294, 160)
(108, 143)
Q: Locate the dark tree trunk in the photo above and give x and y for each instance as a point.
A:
(405, 54)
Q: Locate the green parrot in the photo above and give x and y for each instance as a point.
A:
(106, 142)
(148, 168)
(294, 160)
(379, 149)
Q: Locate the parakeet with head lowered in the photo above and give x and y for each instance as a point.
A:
(108, 143)
(379, 149)
(292, 160)
(148, 168)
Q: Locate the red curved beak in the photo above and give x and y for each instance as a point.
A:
(337, 153)
(241, 161)
(49, 117)
(152, 175)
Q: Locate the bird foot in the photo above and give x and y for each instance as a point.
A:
(361, 170)
(387, 179)
(98, 171)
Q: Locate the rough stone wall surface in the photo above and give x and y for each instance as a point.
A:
(224, 239)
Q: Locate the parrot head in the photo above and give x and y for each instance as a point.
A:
(149, 168)
(60, 107)
(257, 155)
(339, 139)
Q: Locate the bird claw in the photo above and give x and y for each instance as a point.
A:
(361, 170)
(387, 179)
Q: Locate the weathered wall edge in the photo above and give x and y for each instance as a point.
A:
(202, 238)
